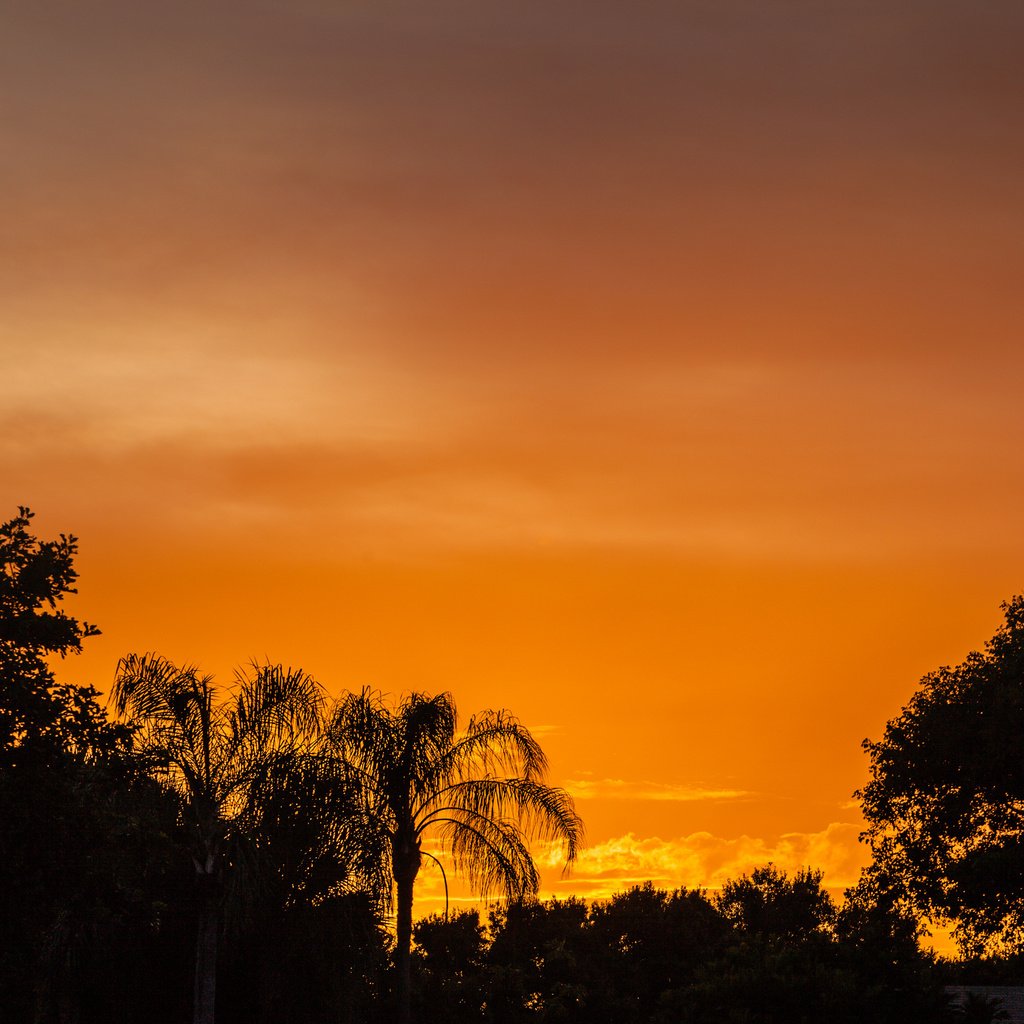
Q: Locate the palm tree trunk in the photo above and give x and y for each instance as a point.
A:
(405, 865)
(403, 944)
(206, 952)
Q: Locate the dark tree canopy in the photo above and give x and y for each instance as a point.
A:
(35, 576)
(769, 948)
(84, 839)
(769, 902)
(945, 803)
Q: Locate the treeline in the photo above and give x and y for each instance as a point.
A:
(766, 948)
(103, 912)
(249, 855)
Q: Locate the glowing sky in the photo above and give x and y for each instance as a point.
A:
(652, 369)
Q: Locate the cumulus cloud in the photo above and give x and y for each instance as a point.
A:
(698, 860)
(703, 860)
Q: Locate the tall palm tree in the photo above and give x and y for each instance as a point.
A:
(218, 755)
(480, 793)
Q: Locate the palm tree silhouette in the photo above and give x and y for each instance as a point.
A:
(218, 756)
(480, 793)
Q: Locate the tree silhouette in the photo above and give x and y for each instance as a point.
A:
(541, 962)
(945, 803)
(450, 954)
(769, 902)
(480, 793)
(648, 943)
(80, 836)
(219, 756)
(38, 715)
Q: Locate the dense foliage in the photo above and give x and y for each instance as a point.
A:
(766, 948)
(40, 718)
(84, 836)
(945, 803)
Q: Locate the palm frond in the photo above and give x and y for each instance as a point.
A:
(172, 708)
(544, 812)
(426, 728)
(495, 743)
(273, 712)
(364, 734)
(491, 854)
(275, 705)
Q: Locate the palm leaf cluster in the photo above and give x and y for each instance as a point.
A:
(480, 794)
(220, 756)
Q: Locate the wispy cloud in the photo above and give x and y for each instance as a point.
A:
(543, 730)
(623, 789)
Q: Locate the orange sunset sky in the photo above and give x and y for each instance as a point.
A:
(652, 369)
